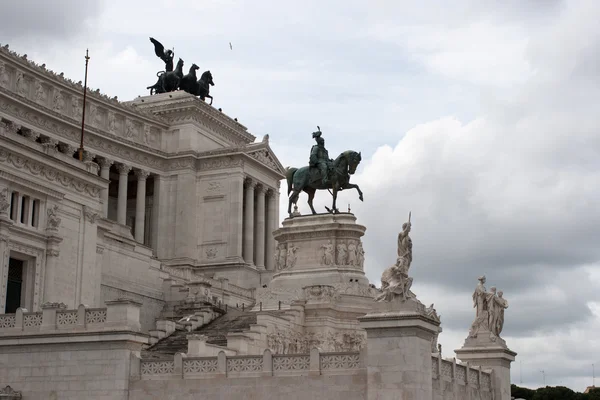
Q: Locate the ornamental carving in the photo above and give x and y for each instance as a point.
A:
(4, 201)
(10, 394)
(214, 186)
(319, 235)
(323, 293)
(211, 252)
(52, 175)
(219, 163)
(4, 79)
(52, 219)
(292, 256)
(264, 157)
(288, 341)
(245, 364)
(328, 253)
(90, 214)
(40, 93)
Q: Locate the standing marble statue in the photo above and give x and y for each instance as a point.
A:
(360, 255)
(489, 311)
(395, 282)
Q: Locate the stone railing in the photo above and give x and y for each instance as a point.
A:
(450, 371)
(55, 316)
(268, 364)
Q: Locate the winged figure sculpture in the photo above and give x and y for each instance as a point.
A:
(165, 55)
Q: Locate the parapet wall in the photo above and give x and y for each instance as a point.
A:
(452, 381)
(305, 376)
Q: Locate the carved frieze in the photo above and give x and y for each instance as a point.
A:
(38, 169)
(288, 341)
(219, 163)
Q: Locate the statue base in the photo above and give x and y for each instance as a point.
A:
(322, 252)
(490, 354)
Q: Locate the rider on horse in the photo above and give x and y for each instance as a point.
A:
(319, 156)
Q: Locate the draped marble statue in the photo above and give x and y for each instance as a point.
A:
(395, 282)
(489, 311)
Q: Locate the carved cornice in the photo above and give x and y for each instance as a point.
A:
(186, 108)
(36, 168)
(115, 146)
(69, 87)
(40, 189)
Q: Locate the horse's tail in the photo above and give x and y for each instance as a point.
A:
(289, 176)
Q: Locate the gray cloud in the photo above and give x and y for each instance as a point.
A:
(47, 20)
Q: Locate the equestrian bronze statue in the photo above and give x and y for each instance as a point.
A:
(322, 173)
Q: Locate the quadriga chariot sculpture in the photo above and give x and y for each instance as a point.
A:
(171, 80)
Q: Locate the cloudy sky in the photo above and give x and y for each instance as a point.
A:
(479, 116)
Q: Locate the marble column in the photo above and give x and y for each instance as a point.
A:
(140, 205)
(249, 222)
(122, 201)
(260, 226)
(105, 164)
(270, 245)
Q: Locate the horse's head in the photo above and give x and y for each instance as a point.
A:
(194, 68)
(207, 78)
(180, 64)
(353, 161)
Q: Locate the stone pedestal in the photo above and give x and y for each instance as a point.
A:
(316, 250)
(490, 353)
(398, 361)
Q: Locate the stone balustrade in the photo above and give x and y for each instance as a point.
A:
(450, 371)
(268, 364)
(55, 317)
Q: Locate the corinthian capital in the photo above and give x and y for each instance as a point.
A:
(123, 168)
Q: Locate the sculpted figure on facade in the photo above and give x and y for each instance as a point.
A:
(3, 75)
(58, 103)
(21, 85)
(76, 109)
(395, 282)
(501, 305)
(352, 254)
(342, 254)
(129, 129)
(112, 122)
(328, 253)
(40, 93)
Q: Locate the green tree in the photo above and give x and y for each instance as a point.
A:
(556, 393)
(521, 393)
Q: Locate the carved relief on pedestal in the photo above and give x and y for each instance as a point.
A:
(292, 256)
(327, 254)
(342, 254)
(323, 293)
(287, 341)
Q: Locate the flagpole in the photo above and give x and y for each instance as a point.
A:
(87, 58)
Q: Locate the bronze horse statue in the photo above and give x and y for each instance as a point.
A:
(188, 82)
(304, 179)
(168, 81)
(201, 87)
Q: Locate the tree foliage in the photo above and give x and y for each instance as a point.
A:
(553, 393)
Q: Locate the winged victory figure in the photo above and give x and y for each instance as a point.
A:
(165, 55)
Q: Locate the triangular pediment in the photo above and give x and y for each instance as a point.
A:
(262, 153)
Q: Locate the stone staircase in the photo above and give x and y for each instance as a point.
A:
(217, 329)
